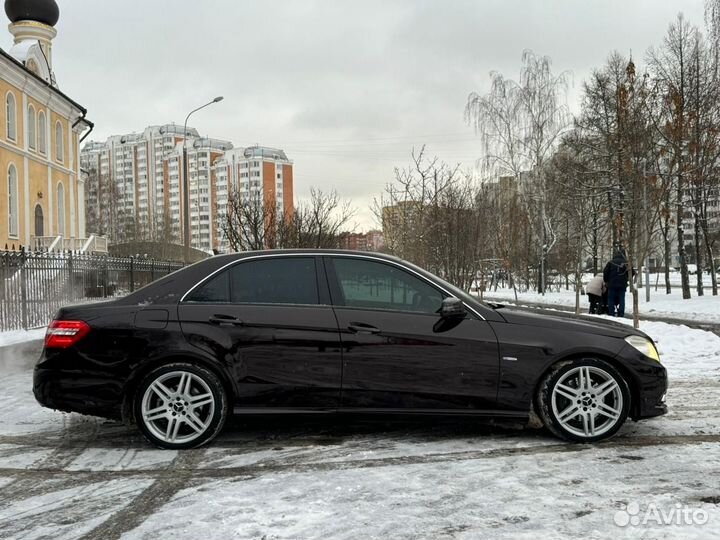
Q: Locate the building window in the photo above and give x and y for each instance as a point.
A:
(59, 146)
(61, 209)
(42, 133)
(11, 116)
(13, 206)
(31, 127)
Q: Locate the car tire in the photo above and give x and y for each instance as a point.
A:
(584, 400)
(180, 405)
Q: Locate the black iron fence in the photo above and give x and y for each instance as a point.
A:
(34, 285)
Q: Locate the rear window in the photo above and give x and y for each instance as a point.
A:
(290, 280)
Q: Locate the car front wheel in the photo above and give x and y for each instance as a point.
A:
(180, 406)
(584, 400)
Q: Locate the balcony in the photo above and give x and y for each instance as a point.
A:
(92, 244)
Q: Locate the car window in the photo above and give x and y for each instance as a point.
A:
(288, 280)
(376, 285)
(217, 289)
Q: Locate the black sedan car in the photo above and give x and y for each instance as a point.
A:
(307, 331)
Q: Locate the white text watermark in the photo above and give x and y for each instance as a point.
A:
(633, 515)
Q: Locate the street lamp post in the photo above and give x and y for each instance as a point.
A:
(186, 189)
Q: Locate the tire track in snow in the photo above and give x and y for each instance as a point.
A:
(79, 433)
(184, 465)
(174, 478)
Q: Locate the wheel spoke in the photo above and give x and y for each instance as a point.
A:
(586, 426)
(606, 389)
(566, 391)
(570, 412)
(185, 384)
(172, 428)
(194, 422)
(591, 422)
(607, 410)
(587, 383)
(161, 390)
(155, 414)
(200, 400)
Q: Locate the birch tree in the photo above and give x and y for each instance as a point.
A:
(520, 124)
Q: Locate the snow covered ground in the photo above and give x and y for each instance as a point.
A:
(702, 309)
(70, 476)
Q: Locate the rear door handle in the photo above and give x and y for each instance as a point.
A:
(362, 328)
(225, 319)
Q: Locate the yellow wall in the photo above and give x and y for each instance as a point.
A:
(15, 153)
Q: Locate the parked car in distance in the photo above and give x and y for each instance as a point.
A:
(308, 331)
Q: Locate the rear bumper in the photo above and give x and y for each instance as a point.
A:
(73, 391)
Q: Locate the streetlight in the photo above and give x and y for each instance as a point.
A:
(186, 192)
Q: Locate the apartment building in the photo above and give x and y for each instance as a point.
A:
(369, 241)
(257, 173)
(135, 184)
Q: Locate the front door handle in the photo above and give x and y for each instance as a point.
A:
(362, 328)
(225, 319)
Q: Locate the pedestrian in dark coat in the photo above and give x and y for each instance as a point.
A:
(616, 276)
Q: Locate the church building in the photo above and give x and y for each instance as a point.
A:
(42, 199)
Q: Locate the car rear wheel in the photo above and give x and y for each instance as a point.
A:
(584, 400)
(180, 405)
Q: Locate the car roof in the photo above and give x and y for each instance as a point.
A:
(171, 288)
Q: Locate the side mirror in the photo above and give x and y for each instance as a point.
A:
(452, 308)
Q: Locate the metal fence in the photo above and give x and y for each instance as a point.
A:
(34, 285)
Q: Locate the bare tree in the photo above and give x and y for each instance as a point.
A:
(316, 223)
(429, 216)
(671, 67)
(253, 224)
(612, 145)
(520, 125)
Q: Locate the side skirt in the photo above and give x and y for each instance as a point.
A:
(513, 415)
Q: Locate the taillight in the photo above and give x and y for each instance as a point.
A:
(64, 334)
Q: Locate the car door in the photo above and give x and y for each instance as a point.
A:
(271, 323)
(397, 351)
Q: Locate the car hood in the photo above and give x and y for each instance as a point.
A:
(568, 321)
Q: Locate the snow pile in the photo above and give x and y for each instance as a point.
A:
(20, 336)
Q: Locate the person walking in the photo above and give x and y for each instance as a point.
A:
(595, 289)
(616, 276)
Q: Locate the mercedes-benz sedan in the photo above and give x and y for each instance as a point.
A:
(307, 331)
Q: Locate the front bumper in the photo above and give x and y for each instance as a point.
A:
(650, 382)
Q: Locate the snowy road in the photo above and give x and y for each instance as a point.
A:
(70, 476)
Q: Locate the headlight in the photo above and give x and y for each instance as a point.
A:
(644, 345)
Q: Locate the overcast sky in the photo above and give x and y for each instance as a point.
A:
(347, 88)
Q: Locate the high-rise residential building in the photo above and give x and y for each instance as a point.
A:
(41, 188)
(135, 188)
(135, 184)
(256, 173)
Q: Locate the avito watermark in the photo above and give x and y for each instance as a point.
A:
(678, 514)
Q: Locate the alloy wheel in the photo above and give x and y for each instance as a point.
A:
(587, 401)
(177, 407)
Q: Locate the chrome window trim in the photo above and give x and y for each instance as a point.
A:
(326, 254)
